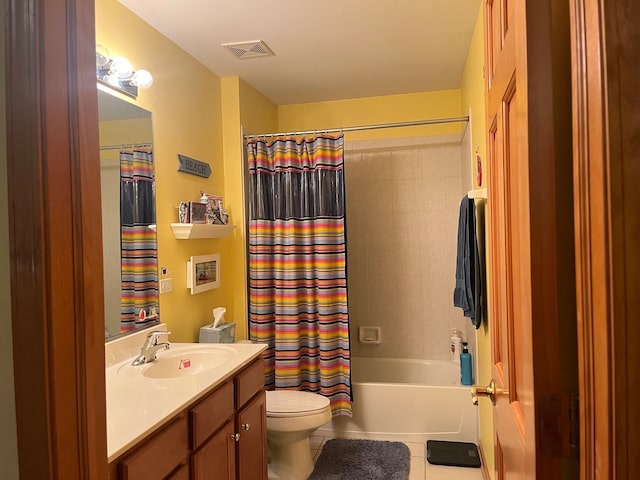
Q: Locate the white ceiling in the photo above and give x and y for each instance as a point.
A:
(329, 50)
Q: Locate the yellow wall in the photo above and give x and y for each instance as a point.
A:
(472, 96)
(376, 110)
(242, 107)
(185, 101)
(257, 113)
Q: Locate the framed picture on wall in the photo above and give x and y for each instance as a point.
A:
(203, 273)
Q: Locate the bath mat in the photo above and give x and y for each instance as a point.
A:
(348, 459)
(453, 454)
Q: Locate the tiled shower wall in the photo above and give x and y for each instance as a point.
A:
(403, 200)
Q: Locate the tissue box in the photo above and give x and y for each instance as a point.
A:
(225, 333)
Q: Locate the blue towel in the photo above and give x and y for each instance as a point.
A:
(468, 291)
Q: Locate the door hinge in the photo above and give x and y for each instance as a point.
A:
(559, 424)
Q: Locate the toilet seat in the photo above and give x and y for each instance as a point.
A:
(293, 403)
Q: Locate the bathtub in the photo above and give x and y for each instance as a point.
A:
(407, 400)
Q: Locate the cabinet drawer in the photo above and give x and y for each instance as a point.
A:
(249, 381)
(210, 414)
(159, 455)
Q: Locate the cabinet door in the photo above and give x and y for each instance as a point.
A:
(252, 446)
(216, 459)
(181, 474)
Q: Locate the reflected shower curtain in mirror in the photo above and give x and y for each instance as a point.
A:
(138, 238)
(297, 265)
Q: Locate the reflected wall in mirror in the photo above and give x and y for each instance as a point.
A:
(128, 216)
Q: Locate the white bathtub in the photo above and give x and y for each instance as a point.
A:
(407, 400)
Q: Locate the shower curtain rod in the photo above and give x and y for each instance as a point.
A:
(125, 145)
(364, 127)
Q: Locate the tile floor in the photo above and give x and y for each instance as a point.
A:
(420, 468)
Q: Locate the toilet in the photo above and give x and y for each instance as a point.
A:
(291, 417)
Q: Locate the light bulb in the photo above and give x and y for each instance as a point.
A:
(112, 80)
(142, 79)
(121, 67)
(102, 56)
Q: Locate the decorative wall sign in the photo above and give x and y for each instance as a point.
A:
(193, 166)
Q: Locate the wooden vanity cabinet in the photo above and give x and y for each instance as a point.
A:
(222, 436)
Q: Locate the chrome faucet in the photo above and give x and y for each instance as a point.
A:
(150, 348)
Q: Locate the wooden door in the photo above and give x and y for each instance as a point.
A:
(531, 263)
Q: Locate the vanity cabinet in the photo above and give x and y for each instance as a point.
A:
(221, 436)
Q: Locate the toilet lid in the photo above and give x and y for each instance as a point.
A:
(290, 403)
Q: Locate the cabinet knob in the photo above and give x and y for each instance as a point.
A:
(246, 426)
(235, 436)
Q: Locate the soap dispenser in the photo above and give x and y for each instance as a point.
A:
(465, 366)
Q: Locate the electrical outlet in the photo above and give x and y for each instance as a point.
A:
(166, 285)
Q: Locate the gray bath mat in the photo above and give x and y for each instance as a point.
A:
(347, 459)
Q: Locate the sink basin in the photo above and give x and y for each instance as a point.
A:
(186, 362)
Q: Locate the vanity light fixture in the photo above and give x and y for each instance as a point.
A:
(118, 73)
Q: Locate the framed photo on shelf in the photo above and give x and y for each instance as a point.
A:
(203, 273)
(198, 212)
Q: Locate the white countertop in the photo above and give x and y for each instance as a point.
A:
(137, 405)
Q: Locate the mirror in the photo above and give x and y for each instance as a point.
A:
(128, 216)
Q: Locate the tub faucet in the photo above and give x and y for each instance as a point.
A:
(150, 348)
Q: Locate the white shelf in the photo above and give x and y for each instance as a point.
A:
(184, 231)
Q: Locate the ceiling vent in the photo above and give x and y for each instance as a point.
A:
(242, 50)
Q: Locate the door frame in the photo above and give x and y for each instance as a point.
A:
(606, 120)
(55, 238)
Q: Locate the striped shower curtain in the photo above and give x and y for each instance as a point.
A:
(139, 250)
(297, 265)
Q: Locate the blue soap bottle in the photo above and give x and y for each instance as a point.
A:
(465, 366)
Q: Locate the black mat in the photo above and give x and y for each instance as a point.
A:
(454, 454)
(347, 459)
